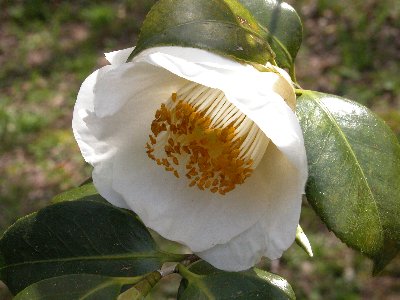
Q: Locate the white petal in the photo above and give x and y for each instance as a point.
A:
(198, 219)
(84, 107)
(94, 149)
(164, 203)
(119, 118)
(194, 55)
(102, 179)
(119, 57)
(276, 230)
(133, 82)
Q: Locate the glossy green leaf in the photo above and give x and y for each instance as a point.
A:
(222, 26)
(84, 192)
(202, 281)
(354, 174)
(283, 25)
(76, 287)
(75, 237)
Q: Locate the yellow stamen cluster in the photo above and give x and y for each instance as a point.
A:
(184, 140)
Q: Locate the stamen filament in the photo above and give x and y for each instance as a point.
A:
(200, 133)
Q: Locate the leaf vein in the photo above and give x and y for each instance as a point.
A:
(351, 151)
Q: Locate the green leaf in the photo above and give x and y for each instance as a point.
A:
(76, 237)
(283, 25)
(354, 174)
(84, 192)
(76, 287)
(222, 26)
(202, 281)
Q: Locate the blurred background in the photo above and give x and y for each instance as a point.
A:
(47, 48)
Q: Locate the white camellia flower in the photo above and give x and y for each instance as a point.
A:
(206, 150)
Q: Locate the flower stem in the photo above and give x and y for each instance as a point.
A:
(188, 260)
(191, 258)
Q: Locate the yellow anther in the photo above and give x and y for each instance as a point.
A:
(165, 162)
(214, 190)
(210, 155)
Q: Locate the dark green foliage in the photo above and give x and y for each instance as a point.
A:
(74, 237)
(202, 281)
(285, 31)
(76, 287)
(221, 26)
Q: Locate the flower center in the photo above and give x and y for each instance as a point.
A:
(200, 134)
